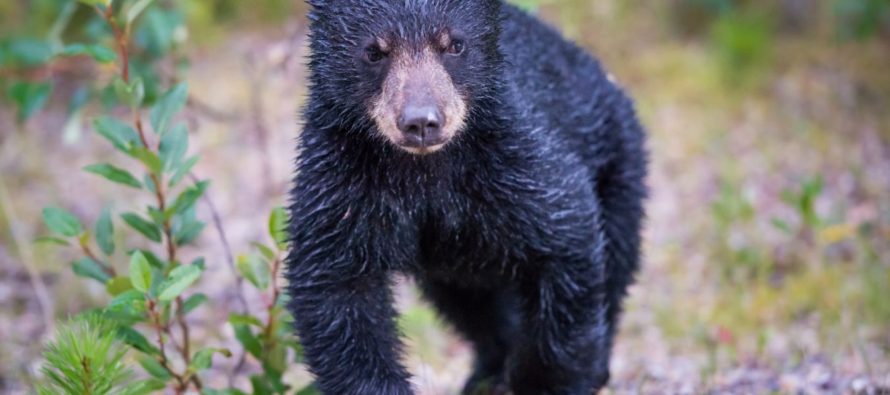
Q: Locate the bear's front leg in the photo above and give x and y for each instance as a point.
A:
(564, 349)
(345, 324)
(338, 278)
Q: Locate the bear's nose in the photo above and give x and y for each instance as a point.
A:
(421, 123)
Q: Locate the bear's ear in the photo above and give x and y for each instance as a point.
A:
(485, 3)
(489, 6)
(323, 4)
(318, 4)
(486, 6)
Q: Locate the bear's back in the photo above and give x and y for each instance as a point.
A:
(558, 87)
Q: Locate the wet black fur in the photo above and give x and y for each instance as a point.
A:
(524, 232)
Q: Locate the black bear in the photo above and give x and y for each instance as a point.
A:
(466, 144)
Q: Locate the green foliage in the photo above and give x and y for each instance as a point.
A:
(743, 42)
(268, 341)
(114, 174)
(87, 358)
(29, 97)
(149, 306)
(122, 136)
(179, 279)
(255, 270)
(146, 228)
(742, 260)
(278, 226)
(856, 19)
(861, 19)
(100, 53)
(62, 222)
(47, 32)
(131, 93)
(89, 268)
(803, 201)
(792, 274)
(105, 232)
(169, 104)
(140, 272)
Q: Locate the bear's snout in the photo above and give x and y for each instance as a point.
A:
(418, 109)
(421, 124)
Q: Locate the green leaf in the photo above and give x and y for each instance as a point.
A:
(124, 316)
(147, 228)
(100, 53)
(260, 385)
(137, 9)
(114, 174)
(192, 302)
(140, 272)
(121, 136)
(297, 347)
(144, 387)
(29, 97)
(244, 319)
(131, 94)
(156, 215)
(204, 358)
(148, 158)
(118, 285)
(62, 222)
(173, 147)
(188, 232)
(131, 301)
(158, 27)
(136, 340)
(153, 259)
(276, 359)
(153, 367)
(278, 226)
(182, 170)
(105, 232)
(88, 268)
(52, 240)
(266, 251)
(168, 105)
(273, 378)
(255, 270)
(248, 340)
(29, 52)
(180, 279)
(199, 262)
(187, 199)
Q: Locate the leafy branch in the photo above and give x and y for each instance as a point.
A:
(152, 295)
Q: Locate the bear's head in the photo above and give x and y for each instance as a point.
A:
(410, 71)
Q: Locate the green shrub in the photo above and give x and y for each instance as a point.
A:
(152, 297)
(87, 358)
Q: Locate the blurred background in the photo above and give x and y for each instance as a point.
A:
(767, 245)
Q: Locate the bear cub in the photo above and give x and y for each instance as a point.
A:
(468, 145)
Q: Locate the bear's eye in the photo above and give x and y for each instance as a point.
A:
(374, 54)
(456, 47)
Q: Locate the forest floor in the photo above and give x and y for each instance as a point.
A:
(741, 293)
